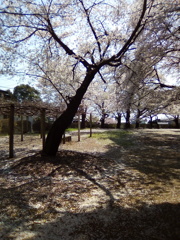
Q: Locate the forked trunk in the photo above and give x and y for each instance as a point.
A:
(58, 128)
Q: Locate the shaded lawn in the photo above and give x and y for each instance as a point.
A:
(130, 192)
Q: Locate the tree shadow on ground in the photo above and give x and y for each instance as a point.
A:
(153, 154)
(150, 222)
(34, 187)
(78, 196)
(147, 222)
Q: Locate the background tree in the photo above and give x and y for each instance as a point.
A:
(156, 48)
(172, 108)
(24, 92)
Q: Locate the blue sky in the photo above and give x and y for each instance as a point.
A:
(9, 83)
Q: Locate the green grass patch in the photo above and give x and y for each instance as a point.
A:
(74, 129)
(120, 138)
(71, 129)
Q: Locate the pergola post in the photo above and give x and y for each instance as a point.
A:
(22, 128)
(43, 112)
(11, 131)
(90, 124)
(79, 127)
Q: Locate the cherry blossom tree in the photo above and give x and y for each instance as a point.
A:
(39, 34)
(156, 50)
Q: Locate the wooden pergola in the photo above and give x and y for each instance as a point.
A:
(27, 109)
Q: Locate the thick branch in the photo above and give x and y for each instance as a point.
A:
(65, 47)
(138, 29)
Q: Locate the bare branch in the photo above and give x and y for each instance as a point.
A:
(30, 35)
(91, 26)
(162, 85)
(102, 77)
(47, 78)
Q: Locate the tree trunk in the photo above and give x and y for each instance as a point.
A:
(127, 124)
(138, 118)
(102, 121)
(150, 122)
(137, 123)
(118, 126)
(176, 120)
(58, 128)
(83, 120)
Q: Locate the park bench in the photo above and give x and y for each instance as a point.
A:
(66, 138)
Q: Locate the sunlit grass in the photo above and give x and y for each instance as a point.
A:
(119, 137)
(71, 129)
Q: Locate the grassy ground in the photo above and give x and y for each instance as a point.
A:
(118, 185)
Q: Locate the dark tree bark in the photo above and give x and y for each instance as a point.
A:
(103, 118)
(150, 122)
(176, 120)
(137, 124)
(127, 124)
(118, 126)
(57, 130)
(83, 120)
(138, 118)
(102, 121)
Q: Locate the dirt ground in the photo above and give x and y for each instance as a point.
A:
(98, 188)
